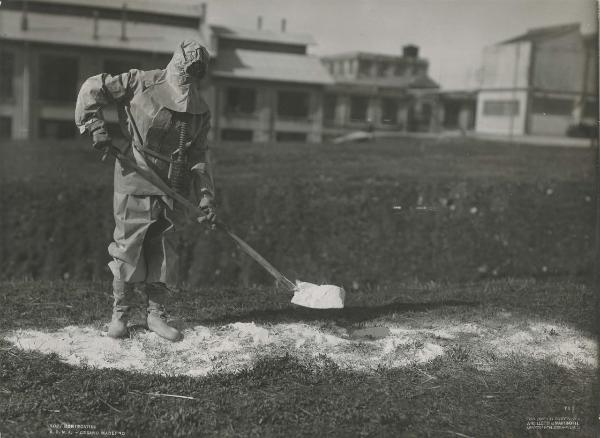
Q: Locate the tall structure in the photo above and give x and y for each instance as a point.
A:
(267, 88)
(540, 83)
(382, 92)
(49, 47)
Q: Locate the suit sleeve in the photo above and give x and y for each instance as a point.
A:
(101, 90)
(199, 159)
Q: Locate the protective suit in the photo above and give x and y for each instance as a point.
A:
(166, 121)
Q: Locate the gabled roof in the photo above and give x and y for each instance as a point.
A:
(367, 56)
(270, 66)
(78, 31)
(542, 33)
(267, 36)
(183, 8)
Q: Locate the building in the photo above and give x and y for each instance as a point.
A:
(457, 110)
(543, 82)
(266, 86)
(49, 47)
(382, 92)
(262, 85)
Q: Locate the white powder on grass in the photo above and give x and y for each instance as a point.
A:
(237, 346)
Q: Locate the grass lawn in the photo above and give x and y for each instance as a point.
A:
(415, 359)
(470, 309)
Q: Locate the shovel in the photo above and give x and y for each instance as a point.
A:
(305, 294)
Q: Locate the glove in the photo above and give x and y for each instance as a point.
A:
(207, 206)
(101, 140)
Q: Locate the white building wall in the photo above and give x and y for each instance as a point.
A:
(506, 66)
(559, 64)
(501, 124)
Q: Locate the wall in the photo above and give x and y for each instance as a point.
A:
(504, 125)
(27, 109)
(559, 63)
(265, 122)
(506, 66)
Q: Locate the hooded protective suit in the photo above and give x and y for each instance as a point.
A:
(163, 104)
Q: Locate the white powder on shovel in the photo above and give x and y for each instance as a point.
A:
(326, 296)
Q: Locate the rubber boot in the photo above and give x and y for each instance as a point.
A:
(120, 316)
(157, 294)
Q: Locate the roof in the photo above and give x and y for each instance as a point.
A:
(183, 8)
(270, 66)
(78, 31)
(542, 33)
(370, 56)
(364, 55)
(459, 94)
(422, 81)
(267, 36)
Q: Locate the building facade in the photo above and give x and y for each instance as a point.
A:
(262, 85)
(266, 87)
(543, 82)
(48, 48)
(379, 92)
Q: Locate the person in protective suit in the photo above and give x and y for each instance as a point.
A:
(166, 120)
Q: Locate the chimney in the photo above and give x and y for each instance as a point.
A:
(24, 17)
(410, 51)
(124, 23)
(96, 16)
(283, 23)
(259, 23)
(202, 18)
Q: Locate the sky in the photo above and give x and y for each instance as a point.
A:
(451, 34)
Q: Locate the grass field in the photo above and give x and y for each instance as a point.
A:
(361, 214)
(470, 310)
(472, 360)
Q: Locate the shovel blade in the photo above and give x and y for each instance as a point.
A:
(326, 296)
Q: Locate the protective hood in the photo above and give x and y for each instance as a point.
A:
(180, 88)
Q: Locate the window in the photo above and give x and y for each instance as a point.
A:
(426, 111)
(329, 104)
(117, 66)
(58, 78)
(57, 129)
(5, 127)
(364, 68)
(382, 68)
(291, 136)
(358, 108)
(236, 134)
(7, 72)
(501, 107)
(389, 111)
(350, 67)
(552, 106)
(293, 104)
(240, 100)
(590, 109)
(399, 69)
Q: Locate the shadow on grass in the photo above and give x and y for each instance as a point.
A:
(347, 315)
